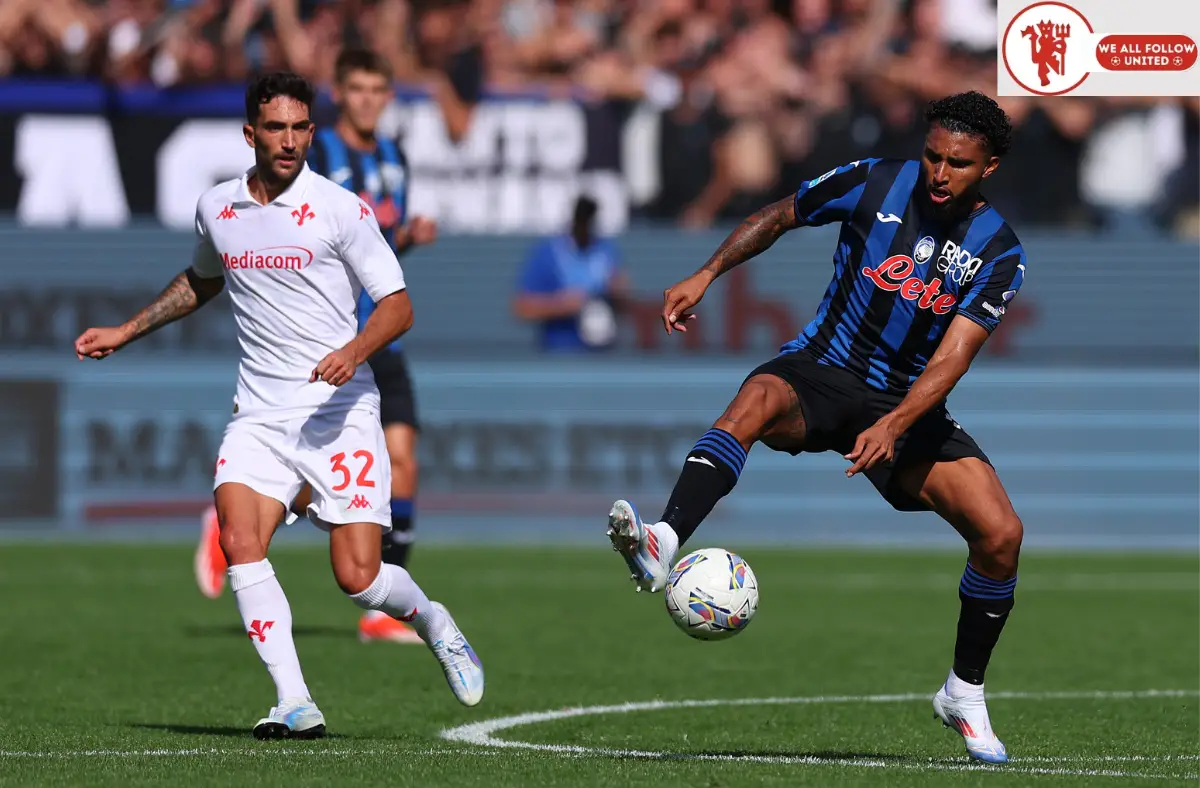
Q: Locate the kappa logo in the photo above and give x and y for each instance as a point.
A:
(387, 213)
(359, 502)
(302, 214)
(258, 629)
(363, 211)
(957, 264)
(227, 213)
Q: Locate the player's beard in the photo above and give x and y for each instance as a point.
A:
(954, 209)
(277, 174)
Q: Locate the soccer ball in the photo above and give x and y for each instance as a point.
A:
(712, 594)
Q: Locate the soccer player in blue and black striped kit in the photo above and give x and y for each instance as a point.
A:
(923, 272)
(351, 154)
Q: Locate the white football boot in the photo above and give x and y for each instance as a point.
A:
(648, 550)
(967, 713)
(464, 671)
(294, 718)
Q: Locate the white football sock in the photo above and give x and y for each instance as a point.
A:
(268, 619)
(397, 594)
(957, 688)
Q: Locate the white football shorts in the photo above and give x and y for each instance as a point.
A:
(342, 455)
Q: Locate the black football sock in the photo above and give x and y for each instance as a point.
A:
(710, 471)
(398, 542)
(986, 604)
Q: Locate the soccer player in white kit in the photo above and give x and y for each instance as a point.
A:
(295, 250)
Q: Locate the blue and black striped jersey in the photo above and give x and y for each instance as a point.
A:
(379, 178)
(900, 276)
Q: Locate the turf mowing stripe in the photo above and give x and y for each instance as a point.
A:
(480, 734)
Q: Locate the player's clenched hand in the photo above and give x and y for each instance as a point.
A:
(422, 230)
(336, 369)
(100, 343)
(875, 444)
(679, 299)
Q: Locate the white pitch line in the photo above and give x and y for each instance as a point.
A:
(281, 749)
(481, 734)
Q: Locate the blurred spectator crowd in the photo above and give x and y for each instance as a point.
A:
(753, 95)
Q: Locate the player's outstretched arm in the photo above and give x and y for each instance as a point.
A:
(185, 294)
(755, 235)
(393, 316)
(950, 362)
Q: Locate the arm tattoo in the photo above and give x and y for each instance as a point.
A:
(753, 236)
(184, 295)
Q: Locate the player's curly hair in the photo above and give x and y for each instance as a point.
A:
(973, 113)
(269, 86)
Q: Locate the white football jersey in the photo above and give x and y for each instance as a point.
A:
(294, 269)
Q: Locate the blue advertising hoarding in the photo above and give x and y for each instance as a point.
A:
(537, 450)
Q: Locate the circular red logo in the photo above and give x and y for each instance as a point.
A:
(1047, 48)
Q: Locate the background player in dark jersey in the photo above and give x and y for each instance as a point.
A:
(923, 272)
(351, 154)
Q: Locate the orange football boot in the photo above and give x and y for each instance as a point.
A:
(210, 563)
(377, 625)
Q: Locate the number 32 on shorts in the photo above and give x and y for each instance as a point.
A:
(338, 461)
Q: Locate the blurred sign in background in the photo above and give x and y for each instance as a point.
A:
(678, 118)
(1087, 400)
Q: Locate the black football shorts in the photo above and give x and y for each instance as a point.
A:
(397, 405)
(837, 405)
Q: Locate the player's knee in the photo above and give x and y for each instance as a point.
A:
(762, 399)
(241, 542)
(999, 547)
(404, 474)
(355, 577)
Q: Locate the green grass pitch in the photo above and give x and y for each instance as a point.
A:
(117, 672)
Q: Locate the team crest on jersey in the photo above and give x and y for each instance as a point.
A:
(924, 249)
(957, 264)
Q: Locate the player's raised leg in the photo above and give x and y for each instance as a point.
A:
(968, 494)
(397, 543)
(248, 521)
(767, 409)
